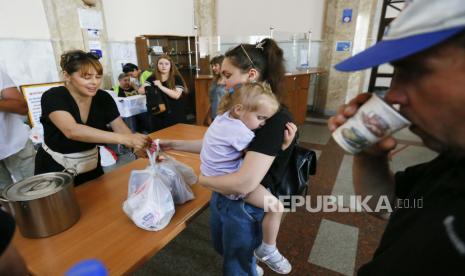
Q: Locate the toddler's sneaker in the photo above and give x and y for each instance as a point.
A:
(274, 260)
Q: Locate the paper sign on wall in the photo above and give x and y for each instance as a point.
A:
(343, 46)
(96, 48)
(93, 34)
(346, 15)
(90, 19)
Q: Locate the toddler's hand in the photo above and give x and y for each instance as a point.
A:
(289, 134)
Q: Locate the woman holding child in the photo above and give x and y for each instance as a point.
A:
(235, 224)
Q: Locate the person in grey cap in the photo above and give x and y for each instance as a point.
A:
(426, 46)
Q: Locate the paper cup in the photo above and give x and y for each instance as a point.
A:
(373, 121)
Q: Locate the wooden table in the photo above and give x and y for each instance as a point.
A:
(104, 232)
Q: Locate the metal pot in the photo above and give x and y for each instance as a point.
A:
(44, 204)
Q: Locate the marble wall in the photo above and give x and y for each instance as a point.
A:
(366, 31)
(205, 17)
(337, 87)
(66, 32)
(333, 84)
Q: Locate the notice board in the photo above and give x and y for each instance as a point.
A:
(33, 93)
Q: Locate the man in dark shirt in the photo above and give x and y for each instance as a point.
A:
(11, 263)
(425, 234)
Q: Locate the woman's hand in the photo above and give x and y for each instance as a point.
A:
(157, 83)
(289, 134)
(346, 111)
(136, 141)
(141, 153)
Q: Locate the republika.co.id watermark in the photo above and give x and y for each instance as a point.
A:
(339, 203)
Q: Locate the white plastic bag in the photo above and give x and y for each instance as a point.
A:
(149, 204)
(177, 176)
(186, 172)
(176, 182)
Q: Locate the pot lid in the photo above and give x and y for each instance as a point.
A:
(38, 186)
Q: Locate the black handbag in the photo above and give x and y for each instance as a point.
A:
(155, 102)
(295, 178)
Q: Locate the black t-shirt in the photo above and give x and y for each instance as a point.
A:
(102, 111)
(268, 140)
(7, 230)
(175, 108)
(430, 238)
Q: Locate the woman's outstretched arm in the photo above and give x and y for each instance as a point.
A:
(194, 146)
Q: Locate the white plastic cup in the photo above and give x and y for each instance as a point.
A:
(374, 120)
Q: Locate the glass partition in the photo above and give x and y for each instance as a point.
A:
(296, 47)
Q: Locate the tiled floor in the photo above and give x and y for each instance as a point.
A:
(316, 243)
(314, 134)
(324, 252)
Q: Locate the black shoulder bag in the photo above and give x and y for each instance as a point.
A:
(155, 102)
(295, 178)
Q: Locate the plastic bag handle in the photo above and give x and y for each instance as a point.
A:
(153, 157)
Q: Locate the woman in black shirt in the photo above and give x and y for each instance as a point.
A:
(75, 119)
(236, 225)
(167, 83)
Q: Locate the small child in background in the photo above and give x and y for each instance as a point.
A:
(217, 90)
(239, 113)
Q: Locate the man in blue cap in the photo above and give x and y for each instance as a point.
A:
(426, 46)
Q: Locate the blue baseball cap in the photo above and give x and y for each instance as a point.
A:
(422, 24)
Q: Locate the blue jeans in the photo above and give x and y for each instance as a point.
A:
(236, 231)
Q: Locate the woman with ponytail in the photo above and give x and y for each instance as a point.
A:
(236, 225)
